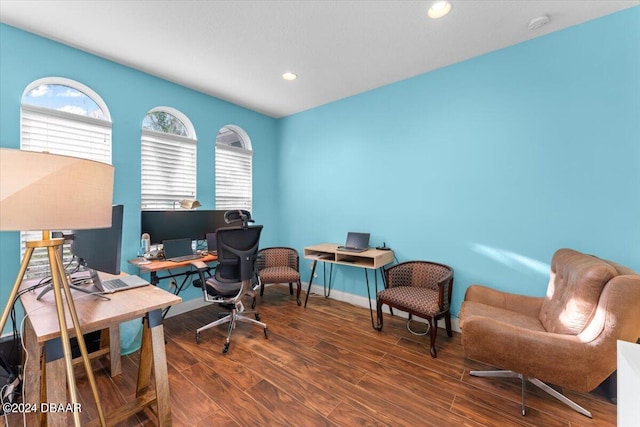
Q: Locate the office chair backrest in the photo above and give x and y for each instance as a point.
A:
(238, 216)
(237, 252)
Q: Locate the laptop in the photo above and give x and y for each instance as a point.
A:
(212, 244)
(356, 242)
(117, 284)
(178, 250)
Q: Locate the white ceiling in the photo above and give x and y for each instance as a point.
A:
(237, 50)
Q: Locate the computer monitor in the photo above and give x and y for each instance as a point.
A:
(100, 249)
(179, 224)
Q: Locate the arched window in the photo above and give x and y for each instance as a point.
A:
(233, 169)
(62, 116)
(168, 159)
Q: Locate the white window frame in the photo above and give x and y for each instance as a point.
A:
(234, 173)
(46, 129)
(168, 165)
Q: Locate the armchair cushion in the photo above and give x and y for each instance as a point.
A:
(279, 274)
(505, 316)
(413, 299)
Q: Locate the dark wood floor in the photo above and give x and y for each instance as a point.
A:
(325, 365)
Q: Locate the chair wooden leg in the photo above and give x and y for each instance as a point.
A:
(298, 292)
(447, 322)
(433, 332)
(290, 288)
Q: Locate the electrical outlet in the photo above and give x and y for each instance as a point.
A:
(315, 275)
(172, 283)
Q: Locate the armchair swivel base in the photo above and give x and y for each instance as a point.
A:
(510, 374)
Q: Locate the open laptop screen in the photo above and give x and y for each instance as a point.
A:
(177, 247)
(357, 240)
(212, 243)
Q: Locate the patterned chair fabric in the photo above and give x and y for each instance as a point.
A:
(422, 289)
(279, 265)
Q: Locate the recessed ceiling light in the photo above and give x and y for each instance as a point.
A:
(539, 22)
(289, 76)
(439, 9)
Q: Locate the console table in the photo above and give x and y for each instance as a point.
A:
(371, 259)
(46, 382)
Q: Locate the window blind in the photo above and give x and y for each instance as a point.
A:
(59, 132)
(233, 177)
(168, 169)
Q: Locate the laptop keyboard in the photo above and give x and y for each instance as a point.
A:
(113, 284)
(184, 258)
(350, 249)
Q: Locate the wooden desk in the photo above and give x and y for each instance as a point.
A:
(48, 379)
(372, 259)
(158, 265)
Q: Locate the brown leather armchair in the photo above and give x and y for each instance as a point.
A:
(568, 338)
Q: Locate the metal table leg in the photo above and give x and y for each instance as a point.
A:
(313, 271)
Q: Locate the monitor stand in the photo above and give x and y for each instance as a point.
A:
(85, 277)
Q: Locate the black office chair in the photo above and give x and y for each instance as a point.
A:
(238, 217)
(233, 278)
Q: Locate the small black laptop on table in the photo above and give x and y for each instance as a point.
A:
(356, 242)
(178, 250)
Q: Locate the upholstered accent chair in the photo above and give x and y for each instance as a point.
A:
(567, 338)
(279, 265)
(422, 289)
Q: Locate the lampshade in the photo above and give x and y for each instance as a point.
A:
(40, 191)
(189, 204)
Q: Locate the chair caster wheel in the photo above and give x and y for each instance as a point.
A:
(266, 334)
(257, 316)
(225, 349)
(197, 337)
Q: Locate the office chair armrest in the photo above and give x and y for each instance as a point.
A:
(200, 266)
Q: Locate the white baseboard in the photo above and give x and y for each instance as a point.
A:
(356, 300)
(362, 302)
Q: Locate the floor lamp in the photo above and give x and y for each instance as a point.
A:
(44, 192)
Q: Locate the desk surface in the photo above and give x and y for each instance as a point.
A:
(159, 265)
(94, 313)
(329, 252)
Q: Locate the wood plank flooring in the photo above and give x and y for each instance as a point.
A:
(325, 366)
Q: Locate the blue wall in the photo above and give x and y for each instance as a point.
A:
(129, 95)
(489, 165)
